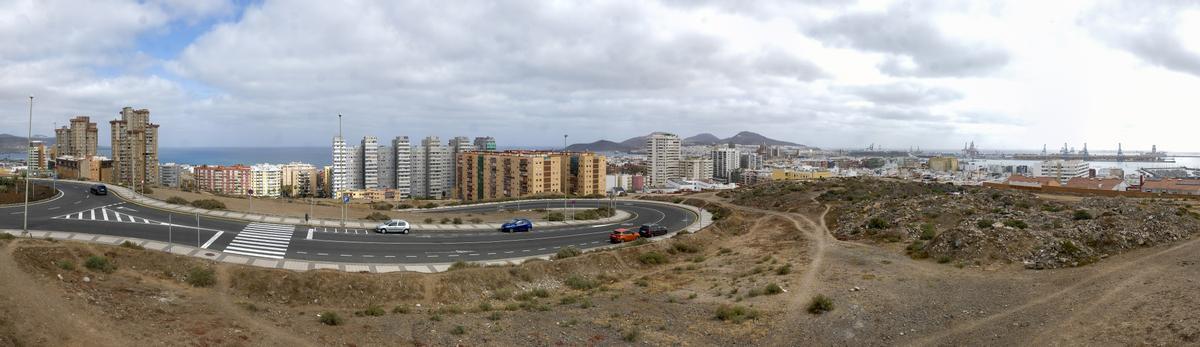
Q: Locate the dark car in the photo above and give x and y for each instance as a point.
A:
(652, 230)
(99, 189)
(519, 224)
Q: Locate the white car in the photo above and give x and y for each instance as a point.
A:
(393, 226)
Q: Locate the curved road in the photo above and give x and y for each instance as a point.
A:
(77, 210)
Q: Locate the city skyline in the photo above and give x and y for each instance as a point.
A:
(929, 74)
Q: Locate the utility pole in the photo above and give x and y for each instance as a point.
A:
(29, 140)
(197, 231)
(170, 231)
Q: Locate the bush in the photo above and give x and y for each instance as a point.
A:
(684, 247)
(567, 253)
(1070, 247)
(377, 216)
(98, 263)
(445, 220)
(652, 258)
(878, 223)
(7, 236)
(208, 204)
(942, 259)
(201, 277)
(1016, 223)
(578, 282)
(178, 200)
(1082, 215)
(66, 265)
(428, 220)
(632, 335)
(457, 220)
(429, 205)
(985, 223)
(330, 318)
(131, 245)
(401, 310)
(783, 270)
(382, 206)
(773, 289)
(476, 220)
(374, 311)
(458, 330)
(459, 265)
(820, 304)
(928, 231)
(556, 217)
(736, 314)
(146, 190)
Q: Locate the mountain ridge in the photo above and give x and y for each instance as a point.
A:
(747, 138)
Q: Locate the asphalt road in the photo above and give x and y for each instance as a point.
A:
(77, 210)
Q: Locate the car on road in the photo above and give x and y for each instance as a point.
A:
(652, 230)
(518, 224)
(99, 189)
(620, 235)
(393, 226)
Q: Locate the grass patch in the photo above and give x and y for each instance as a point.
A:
(330, 318)
(985, 223)
(201, 277)
(131, 245)
(556, 217)
(373, 311)
(458, 330)
(735, 313)
(178, 201)
(98, 263)
(65, 265)
(684, 247)
(1016, 223)
(578, 282)
(567, 253)
(773, 289)
(652, 258)
(632, 335)
(783, 270)
(820, 304)
(208, 204)
(928, 231)
(459, 265)
(402, 310)
(1082, 215)
(878, 223)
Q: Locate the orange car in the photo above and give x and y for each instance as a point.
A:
(622, 235)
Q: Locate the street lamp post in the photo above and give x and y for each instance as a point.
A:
(29, 139)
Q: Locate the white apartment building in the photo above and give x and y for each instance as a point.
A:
(430, 169)
(751, 161)
(698, 169)
(340, 171)
(172, 174)
(402, 162)
(387, 167)
(725, 160)
(457, 145)
(370, 162)
(623, 181)
(663, 154)
(1064, 170)
(266, 180)
(354, 168)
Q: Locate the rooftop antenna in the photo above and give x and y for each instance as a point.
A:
(564, 142)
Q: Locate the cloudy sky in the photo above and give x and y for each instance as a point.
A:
(827, 73)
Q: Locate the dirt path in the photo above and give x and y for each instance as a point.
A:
(35, 305)
(270, 334)
(1103, 271)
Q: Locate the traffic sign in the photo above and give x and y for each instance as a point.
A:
(345, 199)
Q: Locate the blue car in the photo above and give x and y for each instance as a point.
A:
(519, 224)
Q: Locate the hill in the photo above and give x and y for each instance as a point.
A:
(742, 138)
(16, 144)
(702, 139)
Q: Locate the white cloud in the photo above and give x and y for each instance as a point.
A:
(828, 73)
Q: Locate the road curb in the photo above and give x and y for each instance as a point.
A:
(142, 200)
(704, 220)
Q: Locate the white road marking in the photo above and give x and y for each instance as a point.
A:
(214, 238)
(322, 253)
(262, 240)
(52, 208)
(310, 231)
(77, 202)
(104, 211)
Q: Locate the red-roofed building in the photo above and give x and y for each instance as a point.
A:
(1026, 181)
(1172, 186)
(1115, 184)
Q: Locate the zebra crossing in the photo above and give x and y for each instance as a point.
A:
(107, 214)
(264, 240)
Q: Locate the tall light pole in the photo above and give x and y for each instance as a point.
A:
(29, 139)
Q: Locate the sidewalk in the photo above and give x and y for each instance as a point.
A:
(139, 199)
(304, 265)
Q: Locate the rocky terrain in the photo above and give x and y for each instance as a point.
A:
(979, 226)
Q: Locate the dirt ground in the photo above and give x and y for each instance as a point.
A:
(686, 291)
(331, 209)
